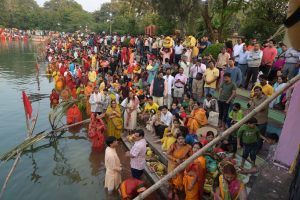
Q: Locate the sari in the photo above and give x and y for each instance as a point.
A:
(54, 99)
(73, 115)
(59, 83)
(230, 191)
(199, 168)
(96, 130)
(196, 120)
(177, 152)
(114, 121)
(87, 92)
(168, 140)
(130, 114)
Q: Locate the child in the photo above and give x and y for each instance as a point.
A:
(236, 114)
(272, 140)
(210, 104)
(208, 138)
(249, 135)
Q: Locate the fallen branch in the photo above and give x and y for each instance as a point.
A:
(219, 138)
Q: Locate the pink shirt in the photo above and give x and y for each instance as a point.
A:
(269, 55)
(138, 151)
(166, 55)
(182, 78)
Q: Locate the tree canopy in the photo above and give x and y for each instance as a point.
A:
(216, 18)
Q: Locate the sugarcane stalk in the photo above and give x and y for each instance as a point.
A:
(9, 174)
(219, 138)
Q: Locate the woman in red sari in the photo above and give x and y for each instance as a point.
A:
(54, 98)
(74, 115)
(96, 130)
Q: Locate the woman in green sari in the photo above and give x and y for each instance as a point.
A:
(114, 120)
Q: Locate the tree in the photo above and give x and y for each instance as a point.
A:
(263, 18)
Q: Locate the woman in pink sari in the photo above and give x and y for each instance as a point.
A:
(228, 186)
(131, 105)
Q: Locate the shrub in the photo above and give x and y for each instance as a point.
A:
(213, 49)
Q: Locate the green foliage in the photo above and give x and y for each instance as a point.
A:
(214, 50)
(263, 18)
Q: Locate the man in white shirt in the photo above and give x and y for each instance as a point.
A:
(95, 101)
(196, 68)
(170, 82)
(165, 121)
(178, 51)
(253, 60)
(185, 65)
(180, 81)
(237, 49)
(243, 63)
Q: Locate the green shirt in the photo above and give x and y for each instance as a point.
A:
(248, 135)
(236, 116)
(226, 92)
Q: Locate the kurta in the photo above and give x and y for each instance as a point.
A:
(113, 169)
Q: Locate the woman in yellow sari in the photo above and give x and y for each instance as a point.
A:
(177, 153)
(169, 137)
(194, 176)
(114, 120)
(196, 119)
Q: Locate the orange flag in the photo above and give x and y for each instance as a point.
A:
(27, 105)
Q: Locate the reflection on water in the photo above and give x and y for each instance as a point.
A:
(54, 168)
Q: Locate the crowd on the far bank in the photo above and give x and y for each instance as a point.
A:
(169, 86)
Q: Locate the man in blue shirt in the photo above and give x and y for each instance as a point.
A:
(235, 72)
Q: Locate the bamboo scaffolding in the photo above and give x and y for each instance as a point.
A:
(226, 133)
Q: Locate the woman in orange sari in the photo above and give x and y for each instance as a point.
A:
(194, 176)
(87, 92)
(74, 115)
(196, 119)
(59, 82)
(177, 153)
(114, 120)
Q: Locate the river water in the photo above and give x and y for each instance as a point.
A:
(64, 169)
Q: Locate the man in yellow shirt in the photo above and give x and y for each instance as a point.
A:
(150, 105)
(267, 89)
(210, 77)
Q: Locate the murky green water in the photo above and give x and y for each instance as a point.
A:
(65, 169)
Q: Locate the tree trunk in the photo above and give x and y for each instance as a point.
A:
(208, 21)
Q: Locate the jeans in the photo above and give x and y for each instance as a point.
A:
(177, 58)
(262, 129)
(208, 90)
(289, 70)
(243, 68)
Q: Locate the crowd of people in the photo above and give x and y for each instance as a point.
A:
(167, 85)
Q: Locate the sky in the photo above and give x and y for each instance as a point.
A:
(88, 5)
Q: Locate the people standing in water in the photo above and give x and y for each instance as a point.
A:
(112, 165)
(114, 120)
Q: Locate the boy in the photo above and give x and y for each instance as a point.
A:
(248, 134)
(272, 140)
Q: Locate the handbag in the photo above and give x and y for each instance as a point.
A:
(213, 118)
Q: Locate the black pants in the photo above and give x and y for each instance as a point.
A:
(159, 130)
(252, 72)
(265, 69)
(223, 110)
(250, 149)
(177, 58)
(136, 173)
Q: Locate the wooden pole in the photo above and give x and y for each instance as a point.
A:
(27, 124)
(219, 138)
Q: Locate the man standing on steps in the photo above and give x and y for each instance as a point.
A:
(210, 77)
(158, 89)
(235, 72)
(170, 82)
(262, 116)
(137, 154)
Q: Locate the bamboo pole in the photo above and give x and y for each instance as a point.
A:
(220, 137)
(9, 174)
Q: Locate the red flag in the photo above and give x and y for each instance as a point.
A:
(27, 105)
